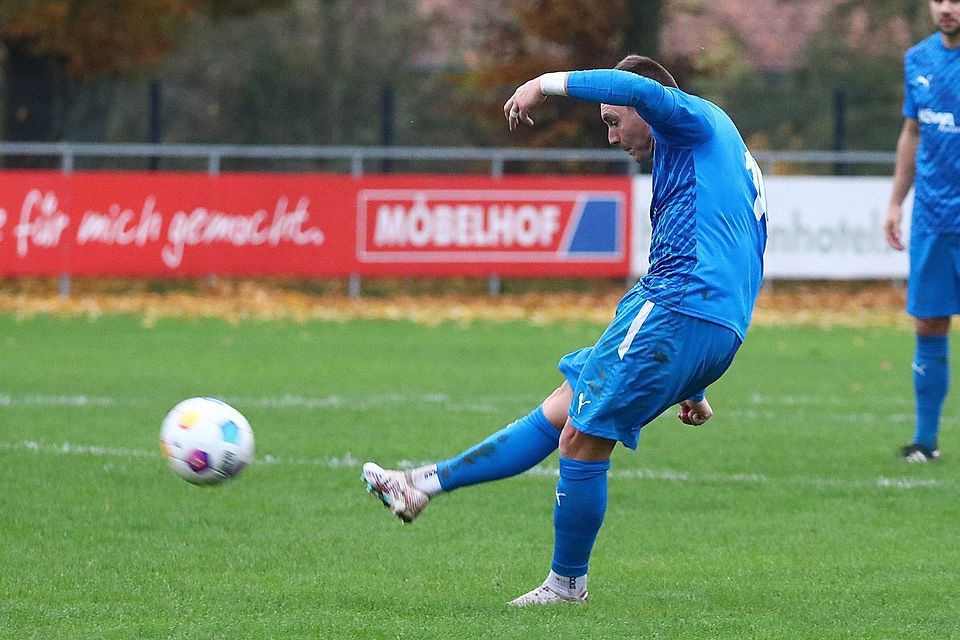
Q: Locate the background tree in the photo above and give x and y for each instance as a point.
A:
(824, 75)
(50, 45)
(319, 73)
(820, 106)
(313, 73)
(642, 28)
(530, 37)
(794, 74)
(436, 72)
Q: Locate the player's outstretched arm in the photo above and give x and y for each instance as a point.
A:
(695, 412)
(679, 116)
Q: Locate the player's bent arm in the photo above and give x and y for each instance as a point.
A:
(671, 112)
(684, 118)
(903, 176)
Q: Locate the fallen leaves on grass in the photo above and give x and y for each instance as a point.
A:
(823, 304)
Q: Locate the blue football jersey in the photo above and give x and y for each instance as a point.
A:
(931, 74)
(709, 208)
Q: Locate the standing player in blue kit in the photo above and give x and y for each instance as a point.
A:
(674, 333)
(928, 159)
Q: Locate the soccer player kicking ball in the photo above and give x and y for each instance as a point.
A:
(674, 333)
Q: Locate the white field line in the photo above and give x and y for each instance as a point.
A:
(40, 400)
(760, 407)
(489, 404)
(353, 463)
(285, 401)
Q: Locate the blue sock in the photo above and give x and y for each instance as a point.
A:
(512, 450)
(578, 514)
(931, 379)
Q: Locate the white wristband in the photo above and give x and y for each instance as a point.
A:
(554, 84)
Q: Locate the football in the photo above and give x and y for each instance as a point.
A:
(206, 441)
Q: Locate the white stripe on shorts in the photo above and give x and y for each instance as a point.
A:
(634, 328)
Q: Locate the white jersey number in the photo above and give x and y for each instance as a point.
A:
(760, 203)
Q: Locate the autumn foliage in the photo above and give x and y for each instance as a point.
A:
(540, 36)
(91, 37)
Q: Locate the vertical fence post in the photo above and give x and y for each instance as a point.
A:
(496, 166)
(353, 286)
(356, 170)
(155, 120)
(65, 281)
(213, 163)
(494, 283)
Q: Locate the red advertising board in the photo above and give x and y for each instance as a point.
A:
(156, 224)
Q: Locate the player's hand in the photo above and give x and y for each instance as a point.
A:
(517, 108)
(891, 228)
(695, 412)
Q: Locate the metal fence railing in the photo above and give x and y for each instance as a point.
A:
(212, 158)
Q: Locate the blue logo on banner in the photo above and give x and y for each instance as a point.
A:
(598, 229)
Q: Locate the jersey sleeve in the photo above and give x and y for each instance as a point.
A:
(674, 115)
(909, 107)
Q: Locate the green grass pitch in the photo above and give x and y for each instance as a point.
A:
(786, 516)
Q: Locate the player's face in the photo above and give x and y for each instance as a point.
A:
(946, 13)
(627, 130)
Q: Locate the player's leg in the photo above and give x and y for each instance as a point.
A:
(931, 381)
(644, 363)
(581, 499)
(933, 295)
(517, 447)
(511, 450)
(581, 503)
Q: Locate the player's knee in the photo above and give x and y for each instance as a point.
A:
(578, 445)
(933, 326)
(557, 405)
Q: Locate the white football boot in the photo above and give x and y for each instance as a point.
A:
(395, 491)
(545, 595)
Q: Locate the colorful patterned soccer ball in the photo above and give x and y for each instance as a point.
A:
(206, 441)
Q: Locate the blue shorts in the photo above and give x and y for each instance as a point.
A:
(933, 288)
(648, 359)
